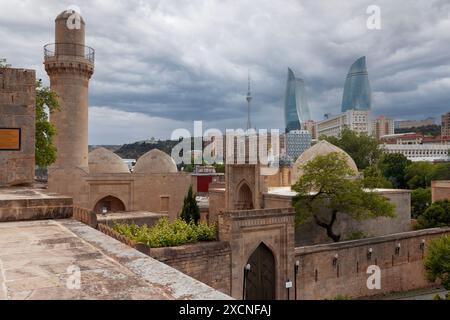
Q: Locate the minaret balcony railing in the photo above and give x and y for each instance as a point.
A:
(52, 50)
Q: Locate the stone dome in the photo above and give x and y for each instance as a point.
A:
(102, 160)
(320, 149)
(155, 161)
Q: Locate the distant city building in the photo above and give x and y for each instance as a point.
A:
(406, 124)
(403, 138)
(355, 120)
(413, 138)
(297, 141)
(357, 93)
(445, 129)
(311, 127)
(296, 109)
(420, 152)
(382, 126)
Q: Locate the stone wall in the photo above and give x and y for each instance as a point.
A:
(208, 262)
(440, 190)
(17, 111)
(320, 278)
(216, 204)
(159, 193)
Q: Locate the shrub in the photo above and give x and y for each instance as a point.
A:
(206, 232)
(437, 261)
(166, 234)
(437, 215)
(356, 236)
(438, 297)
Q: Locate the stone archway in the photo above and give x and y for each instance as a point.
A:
(260, 280)
(244, 198)
(110, 204)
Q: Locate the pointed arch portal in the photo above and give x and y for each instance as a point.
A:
(260, 280)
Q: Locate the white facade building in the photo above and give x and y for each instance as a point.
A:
(420, 152)
(355, 120)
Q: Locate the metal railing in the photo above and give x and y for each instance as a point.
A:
(69, 49)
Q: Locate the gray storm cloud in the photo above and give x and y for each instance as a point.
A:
(163, 64)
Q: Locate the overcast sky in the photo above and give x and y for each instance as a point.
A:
(160, 65)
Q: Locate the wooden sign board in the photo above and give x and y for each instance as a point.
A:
(10, 139)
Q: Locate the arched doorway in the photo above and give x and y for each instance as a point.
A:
(244, 198)
(260, 279)
(109, 204)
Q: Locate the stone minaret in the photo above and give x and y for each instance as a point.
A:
(70, 65)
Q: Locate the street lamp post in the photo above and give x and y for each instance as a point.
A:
(296, 267)
(244, 286)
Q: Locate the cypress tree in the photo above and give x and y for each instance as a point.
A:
(190, 211)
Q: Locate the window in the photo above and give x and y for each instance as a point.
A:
(165, 203)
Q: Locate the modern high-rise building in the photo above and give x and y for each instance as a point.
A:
(311, 127)
(297, 141)
(382, 126)
(296, 109)
(445, 129)
(357, 93)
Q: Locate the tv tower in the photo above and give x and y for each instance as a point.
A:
(249, 99)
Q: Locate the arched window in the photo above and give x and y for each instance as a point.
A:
(109, 204)
(244, 198)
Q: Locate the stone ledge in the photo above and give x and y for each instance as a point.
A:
(158, 274)
(20, 203)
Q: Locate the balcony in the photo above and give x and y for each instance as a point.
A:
(53, 50)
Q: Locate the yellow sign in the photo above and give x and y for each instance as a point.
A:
(10, 139)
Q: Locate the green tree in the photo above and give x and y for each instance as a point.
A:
(393, 166)
(373, 178)
(190, 211)
(362, 148)
(419, 174)
(437, 261)
(420, 201)
(441, 171)
(326, 190)
(437, 215)
(46, 100)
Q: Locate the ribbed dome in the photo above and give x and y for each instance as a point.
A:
(320, 149)
(155, 161)
(102, 160)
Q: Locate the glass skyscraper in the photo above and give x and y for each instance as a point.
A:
(296, 109)
(357, 92)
